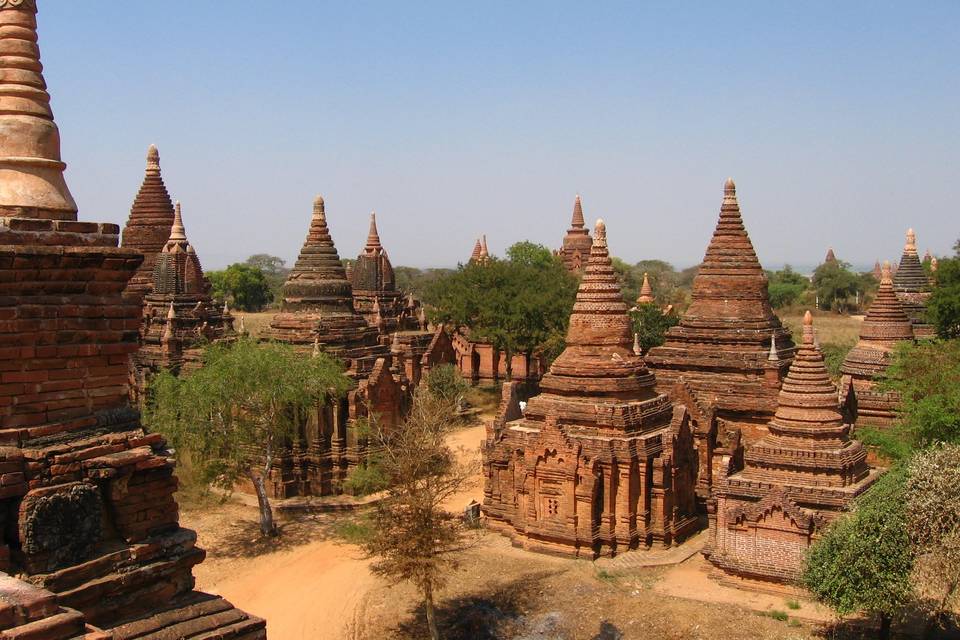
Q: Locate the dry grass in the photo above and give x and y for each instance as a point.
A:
(832, 328)
(255, 323)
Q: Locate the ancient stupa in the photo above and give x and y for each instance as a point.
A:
(599, 462)
(375, 293)
(729, 348)
(179, 316)
(646, 292)
(91, 523)
(795, 480)
(575, 250)
(885, 325)
(148, 226)
(317, 313)
(912, 287)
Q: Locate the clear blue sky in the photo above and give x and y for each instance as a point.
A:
(840, 121)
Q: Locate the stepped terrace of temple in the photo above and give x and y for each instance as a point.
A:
(317, 314)
(729, 349)
(575, 250)
(912, 286)
(795, 480)
(599, 462)
(885, 325)
(91, 524)
(148, 227)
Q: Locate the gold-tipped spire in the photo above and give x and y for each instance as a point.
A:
(31, 170)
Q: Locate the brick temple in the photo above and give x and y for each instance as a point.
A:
(885, 325)
(148, 227)
(795, 480)
(399, 318)
(375, 293)
(90, 522)
(599, 462)
(317, 313)
(730, 351)
(913, 288)
(575, 250)
(179, 316)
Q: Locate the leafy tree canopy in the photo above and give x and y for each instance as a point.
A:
(785, 287)
(244, 286)
(519, 305)
(863, 562)
(245, 402)
(927, 377)
(650, 323)
(943, 307)
(837, 286)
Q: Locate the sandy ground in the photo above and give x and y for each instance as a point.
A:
(312, 591)
(312, 586)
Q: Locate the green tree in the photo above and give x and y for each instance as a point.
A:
(785, 287)
(519, 306)
(943, 307)
(837, 286)
(863, 563)
(414, 538)
(927, 377)
(274, 270)
(446, 384)
(629, 281)
(245, 287)
(933, 521)
(650, 323)
(233, 414)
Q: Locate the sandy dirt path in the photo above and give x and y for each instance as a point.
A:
(318, 591)
(315, 591)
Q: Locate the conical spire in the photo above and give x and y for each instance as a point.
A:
(772, 356)
(877, 271)
(910, 276)
(318, 279)
(599, 359)
(808, 441)
(373, 237)
(577, 221)
(886, 322)
(475, 255)
(731, 284)
(148, 227)
(830, 256)
(637, 350)
(646, 291)
(31, 170)
(484, 252)
(177, 231)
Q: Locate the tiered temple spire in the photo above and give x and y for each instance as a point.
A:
(795, 479)
(96, 544)
(885, 325)
(722, 343)
(646, 292)
(575, 250)
(148, 227)
(596, 418)
(913, 287)
(31, 170)
(830, 257)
